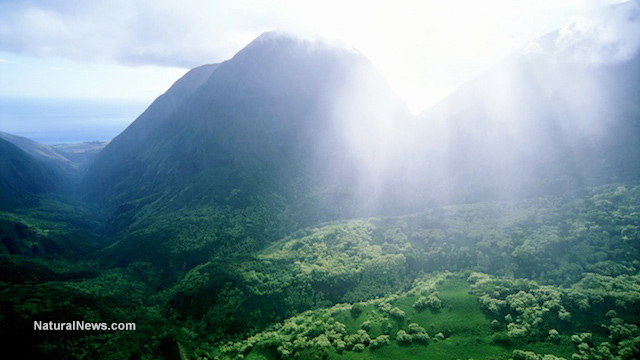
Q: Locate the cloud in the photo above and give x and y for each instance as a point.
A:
(139, 32)
(425, 49)
(608, 37)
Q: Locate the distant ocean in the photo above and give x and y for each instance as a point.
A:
(60, 121)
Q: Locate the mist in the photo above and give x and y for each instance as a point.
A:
(550, 118)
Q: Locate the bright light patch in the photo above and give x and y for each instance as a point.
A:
(424, 49)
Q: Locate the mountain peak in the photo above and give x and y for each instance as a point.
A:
(281, 106)
(288, 43)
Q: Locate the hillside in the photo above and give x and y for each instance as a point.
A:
(23, 178)
(41, 152)
(455, 316)
(67, 161)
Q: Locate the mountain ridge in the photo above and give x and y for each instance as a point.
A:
(23, 177)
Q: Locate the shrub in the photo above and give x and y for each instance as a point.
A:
(415, 328)
(322, 341)
(524, 355)
(386, 327)
(397, 313)
(421, 337)
(434, 302)
(380, 341)
(403, 338)
(517, 330)
(421, 303)
(363, 337)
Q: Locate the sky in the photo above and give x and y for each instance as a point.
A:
(133, 50)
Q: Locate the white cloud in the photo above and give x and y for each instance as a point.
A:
(607, 37)
(140, 32)
(425, 49)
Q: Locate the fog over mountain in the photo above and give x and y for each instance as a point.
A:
(533, 124)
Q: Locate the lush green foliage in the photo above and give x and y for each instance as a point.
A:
(211, 282)
(461, 328)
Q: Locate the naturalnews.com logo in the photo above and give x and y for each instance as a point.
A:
(81, 325)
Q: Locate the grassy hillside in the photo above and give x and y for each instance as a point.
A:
(454, 322)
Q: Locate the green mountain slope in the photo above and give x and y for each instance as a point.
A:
(23, 178)
(289, 133)
(66, 161)
(254, 150)
(41, 152)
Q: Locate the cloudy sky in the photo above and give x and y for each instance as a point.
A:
(135, 49)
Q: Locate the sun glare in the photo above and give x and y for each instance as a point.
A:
(426, 49)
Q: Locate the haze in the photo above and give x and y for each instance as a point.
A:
(136, 50)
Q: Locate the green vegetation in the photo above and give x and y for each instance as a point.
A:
(462, 330)
(53, 227)
(493, 280)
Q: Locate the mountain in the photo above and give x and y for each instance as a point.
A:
(69, 161)
(293, 132)
(278, 103)
(41, 152)
(286, 130)
(22, 177)
(546, 120)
